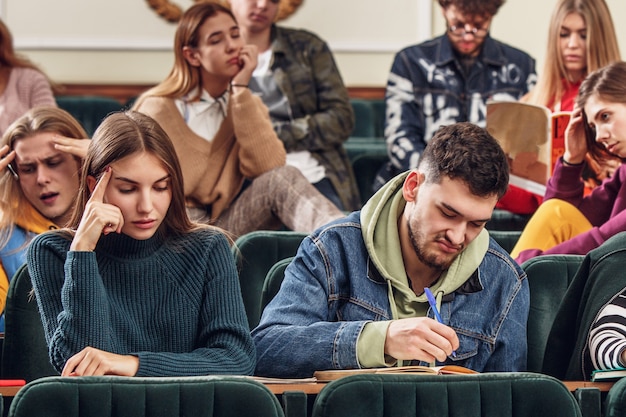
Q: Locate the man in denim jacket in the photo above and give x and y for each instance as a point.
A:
(449, 79)
(354, 295)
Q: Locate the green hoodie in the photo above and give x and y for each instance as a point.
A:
(379, 224)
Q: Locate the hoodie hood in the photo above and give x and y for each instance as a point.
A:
(379, 225)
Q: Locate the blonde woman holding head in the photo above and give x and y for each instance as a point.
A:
(132, 286)
(38, 182)
(581, 39)
(232, 161)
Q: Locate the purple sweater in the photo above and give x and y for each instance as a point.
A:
(604, 208)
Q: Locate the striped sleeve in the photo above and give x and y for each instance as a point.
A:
(607, 338)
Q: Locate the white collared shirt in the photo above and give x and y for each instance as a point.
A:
(204, 116)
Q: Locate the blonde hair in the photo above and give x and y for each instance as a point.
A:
(602, 47)
(37, 120)
(184, 78)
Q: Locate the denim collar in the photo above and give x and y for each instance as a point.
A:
(471, 286)
(490, 54)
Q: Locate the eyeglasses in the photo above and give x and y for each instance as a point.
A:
(459, 30)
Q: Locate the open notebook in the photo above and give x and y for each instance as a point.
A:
(333, 374)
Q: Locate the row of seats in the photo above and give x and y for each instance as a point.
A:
(366, 147)
(263, 257)
(481, 395)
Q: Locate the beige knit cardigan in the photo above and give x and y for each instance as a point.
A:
(245, 146)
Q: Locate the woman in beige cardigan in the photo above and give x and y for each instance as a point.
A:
(233, 163)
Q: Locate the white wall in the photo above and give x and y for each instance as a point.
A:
(124, 41)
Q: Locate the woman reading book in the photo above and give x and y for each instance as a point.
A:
(568, 221)
(581, 39)
(133, 287)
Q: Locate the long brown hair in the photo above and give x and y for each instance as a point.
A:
(609, 84)
(9, 59)
(184, 78)
(123, 134)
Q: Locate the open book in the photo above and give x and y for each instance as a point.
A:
(532, 137)
(608, 374)
(331, 375)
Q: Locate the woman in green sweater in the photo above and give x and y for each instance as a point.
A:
(133, 287)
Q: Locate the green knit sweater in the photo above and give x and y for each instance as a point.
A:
(174, 304)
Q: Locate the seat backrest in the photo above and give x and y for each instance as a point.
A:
(273, 279)
(89, 110)
(25, 352)
(365, 167)
(505, 238)
(615, 403)
(145, 397)
(480, 395)
(255, 253)
(363, 118)
(548, 279)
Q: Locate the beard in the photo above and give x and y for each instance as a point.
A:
(430, 259)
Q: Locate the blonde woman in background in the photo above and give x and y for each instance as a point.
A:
(581, 39)
(22, 85)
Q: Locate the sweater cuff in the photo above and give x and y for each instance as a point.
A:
(370, 346)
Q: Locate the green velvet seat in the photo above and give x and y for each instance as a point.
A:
(505, 238)
(505, 220)
(615, 403)
(365, 167)
(89, 110)
(273, 279)
(145, 397)
(548, 279)
(481, 395)
(25, 353)
(364, 125)
(255, 253)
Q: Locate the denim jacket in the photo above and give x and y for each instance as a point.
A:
(428, 88)
(332, 290)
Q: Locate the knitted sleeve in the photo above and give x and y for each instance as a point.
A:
(607, 337)
(71, 297)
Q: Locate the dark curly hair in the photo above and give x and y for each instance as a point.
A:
(474, 7)
(469, 153)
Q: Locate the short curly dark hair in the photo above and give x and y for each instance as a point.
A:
(470, 154)
(474, 7)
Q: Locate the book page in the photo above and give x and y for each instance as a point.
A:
(523, 131)
(331, 375)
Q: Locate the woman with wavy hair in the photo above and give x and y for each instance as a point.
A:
(232, 161)
(581, 39)
(568, 221)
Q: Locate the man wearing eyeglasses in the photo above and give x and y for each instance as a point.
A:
(449, 79)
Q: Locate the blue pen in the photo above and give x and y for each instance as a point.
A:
(433, 305)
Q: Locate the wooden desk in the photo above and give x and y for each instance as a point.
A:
(315, 387)
(602, 386)
(10, 390)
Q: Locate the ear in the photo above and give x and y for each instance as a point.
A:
(91, 183)
(191, 56)
(411, 185)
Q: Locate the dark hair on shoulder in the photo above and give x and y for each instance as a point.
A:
(474, 7)
(469, 153)
(609, 84)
